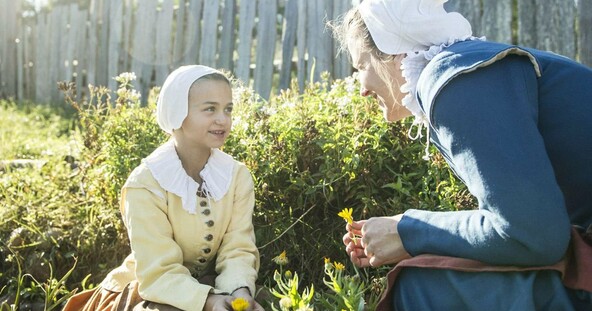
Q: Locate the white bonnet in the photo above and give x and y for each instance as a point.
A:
(173, 101)
(404, 26)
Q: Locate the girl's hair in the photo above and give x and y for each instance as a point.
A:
(214, 77)
(351, 26)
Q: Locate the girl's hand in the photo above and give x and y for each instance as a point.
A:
(353, 246)
(246, 295)
(217, 302)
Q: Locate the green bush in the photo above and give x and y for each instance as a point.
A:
(312, 153)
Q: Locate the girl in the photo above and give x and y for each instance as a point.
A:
(187, 208)
(515, 125)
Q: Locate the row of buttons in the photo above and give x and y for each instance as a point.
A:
(209, 237)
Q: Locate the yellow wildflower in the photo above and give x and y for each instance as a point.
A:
(346, 214)
(240, 304)
(327, 260)
(338, 266)
(281, 259)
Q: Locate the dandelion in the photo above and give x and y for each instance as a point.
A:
(281, 259)
(240, 304)
(346, 214)
(339, 266)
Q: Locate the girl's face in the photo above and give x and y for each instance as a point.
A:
(209, 118)
(389, 96)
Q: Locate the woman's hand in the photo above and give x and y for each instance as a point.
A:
(246, 295)
(377, 243)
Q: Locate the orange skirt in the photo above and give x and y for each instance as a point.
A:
(100, 299)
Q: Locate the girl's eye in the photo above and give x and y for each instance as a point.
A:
(210, 109)
(229, 109)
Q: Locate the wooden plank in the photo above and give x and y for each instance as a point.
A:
(192, 34)
(20, 41)
(103, 44)
(55, 33)
(227, 36)
(81, 55)
(288, 42)
(143, 45)
(8, 68)
(71, 37)
(555, 26)
(209, 34)
(164, 41)
(93, 17)
(115, 41)
(245, 34)
(585, 32)
(301, 40)
(178, 46)
(127, 40)
(471, 10)
(496, 23)
(266, 39)
(41, 62)
(341, 64)
(526, 32)
(320, 48)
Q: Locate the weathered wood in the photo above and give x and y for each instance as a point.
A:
(209, 34)
(246, 24)
(8, 60)
(115, 41)
(227, 36)
(164, 42)
(192, 38)
(266, 39)
(143, 45)
(526, 32)
(41, 63)
(555, 27)
(55, 34)
(585, 32)
(342, 66)
(178, 46)
(288, 42)
(81, 58)
(102, 77)
(92, 42)
(128, 18)
(496, 23)
(302, 72)
(320, 47)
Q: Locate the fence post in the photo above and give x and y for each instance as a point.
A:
(288, 42)
(266, 39)
(245, 30)
(585, 32)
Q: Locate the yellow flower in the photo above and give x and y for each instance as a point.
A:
(338, 266)
(240, 304)
(327, 260)
(346, 214)
(281, 259)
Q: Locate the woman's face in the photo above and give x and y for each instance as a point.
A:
(209, 118)
(389, 96)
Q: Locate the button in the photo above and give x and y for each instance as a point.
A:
(202, 260)
(203, 203)
(207, 250)
(210, 223)
(209, 237)
(206, 212)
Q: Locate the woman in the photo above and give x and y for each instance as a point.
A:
(515, 125)
(187, 208)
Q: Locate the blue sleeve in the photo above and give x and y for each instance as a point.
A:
(485, 124)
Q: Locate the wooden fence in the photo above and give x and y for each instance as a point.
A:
(264, 42)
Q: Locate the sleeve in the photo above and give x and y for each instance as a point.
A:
(237, 262)
(159, 259)
(485, 122)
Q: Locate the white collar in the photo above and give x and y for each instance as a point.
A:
(166, 167)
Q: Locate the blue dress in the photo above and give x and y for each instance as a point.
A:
(515, 125)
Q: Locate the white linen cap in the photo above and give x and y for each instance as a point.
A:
(404, 26)
(173, 101)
